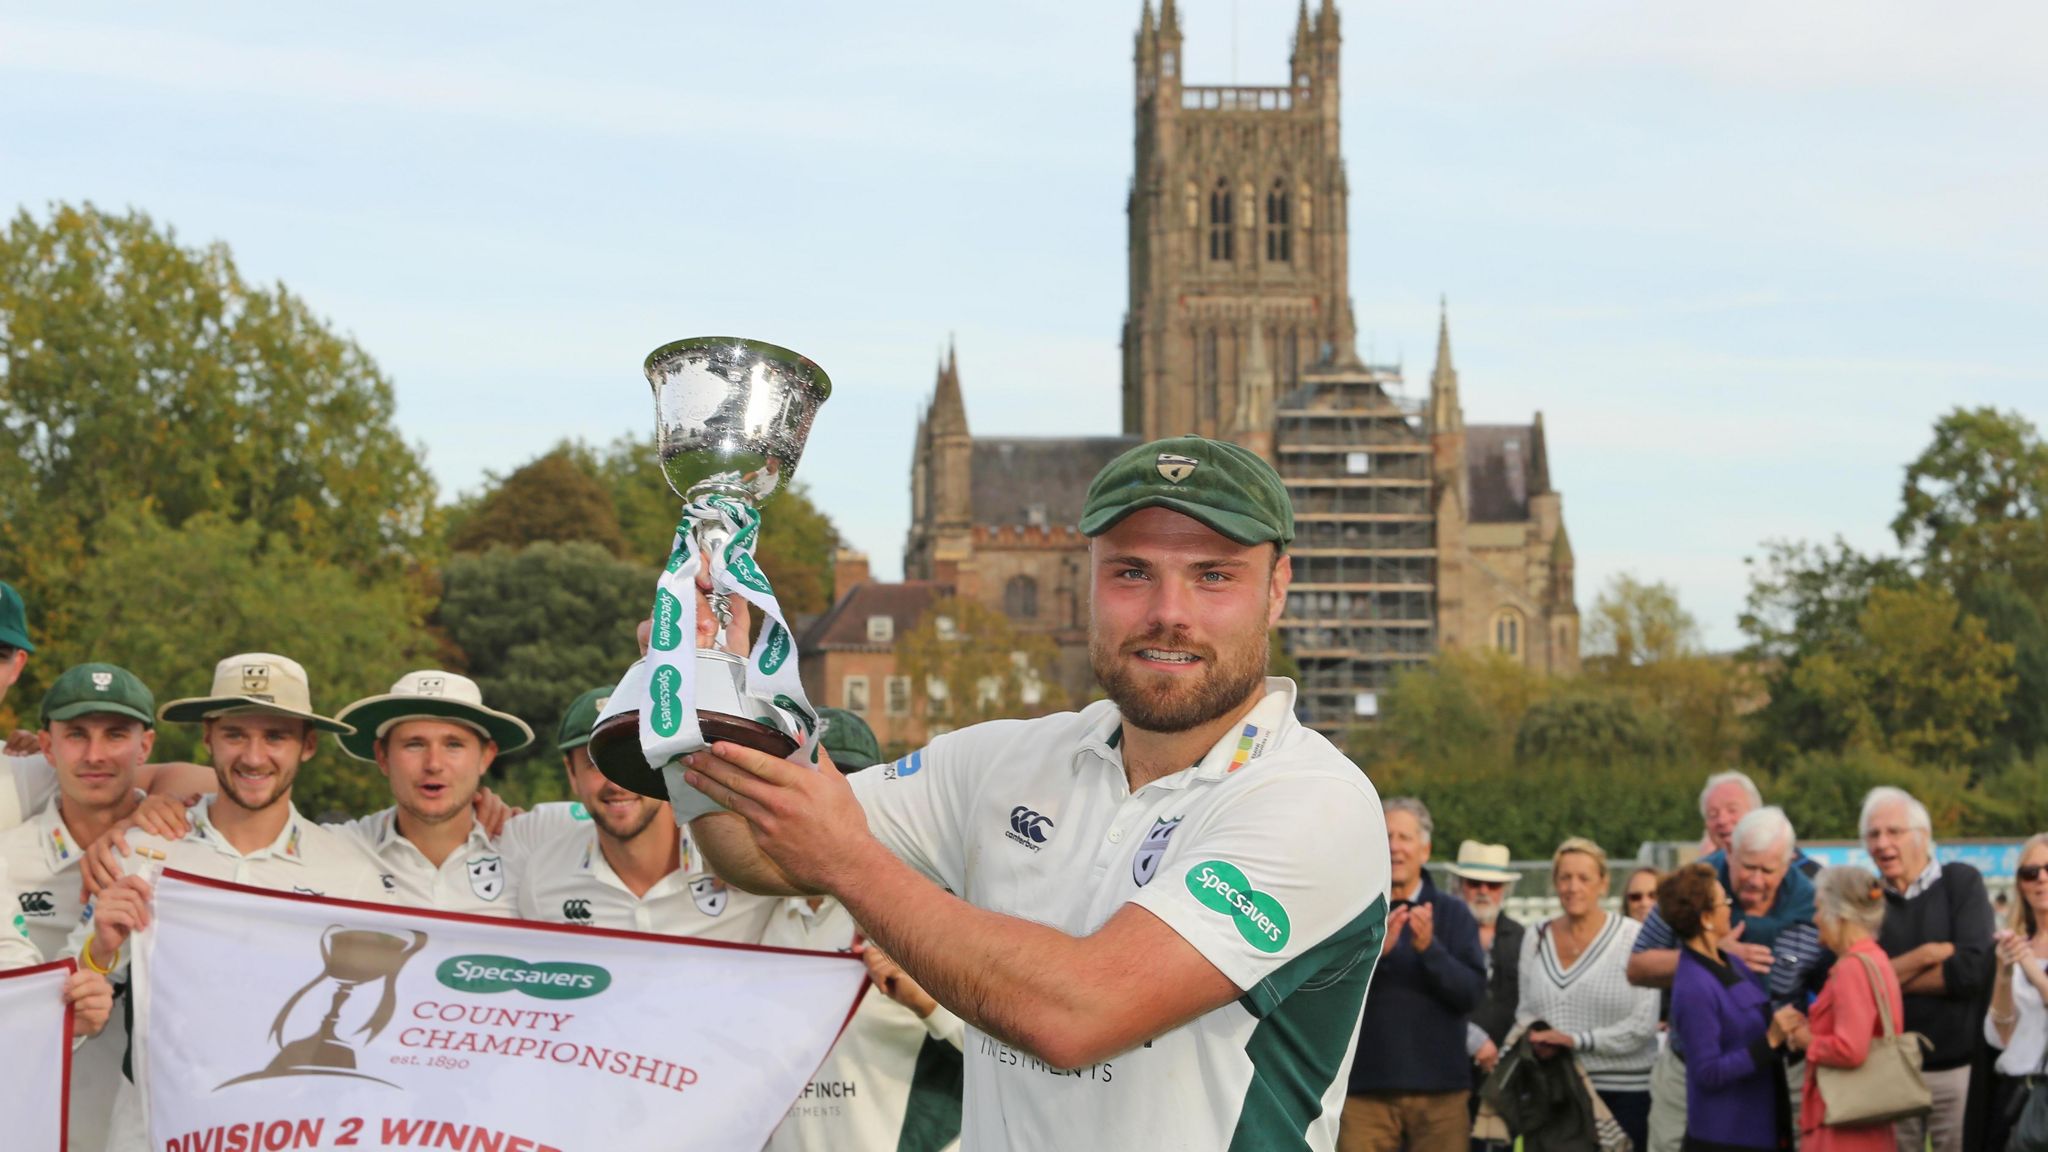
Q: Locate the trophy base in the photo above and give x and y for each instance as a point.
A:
(615, 747)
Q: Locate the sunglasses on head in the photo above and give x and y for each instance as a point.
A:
(2032, 872)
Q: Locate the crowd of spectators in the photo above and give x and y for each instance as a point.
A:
(1696, 1011)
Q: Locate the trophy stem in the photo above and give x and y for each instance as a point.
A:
(711, 536)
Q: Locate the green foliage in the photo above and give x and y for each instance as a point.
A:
(538, 626)
(1636, 623)
(1592, 728)
(1976, 500)
(552, 497)
(984, 667)
(1279, 661)
(169, 602)
(137, 368)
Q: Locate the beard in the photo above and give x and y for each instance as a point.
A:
(1168, 703)
(1485, 914)
(626, 829)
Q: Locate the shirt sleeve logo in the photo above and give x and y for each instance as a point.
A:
(1224, 887)
(1145, 864)
(908, 766)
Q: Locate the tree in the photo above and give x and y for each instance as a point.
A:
(976, 665)
(1976, 500)
(1920, 680)
(1591, 728)
(552, 497)
(537, 627)
(169, 602)
(1804, 597)
(1634, 623)
(797, 540)
(137, 368)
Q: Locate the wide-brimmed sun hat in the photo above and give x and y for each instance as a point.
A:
(429, 694)
(1485, 862)
(253, 682)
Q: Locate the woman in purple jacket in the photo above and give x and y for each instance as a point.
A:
(1734, 1071)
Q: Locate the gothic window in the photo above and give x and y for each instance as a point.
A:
(1222, 240)
(1020, 598)
(1279, 237)
(1507, 632)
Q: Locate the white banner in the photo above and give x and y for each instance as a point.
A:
(35, 1055)
(266, 1020)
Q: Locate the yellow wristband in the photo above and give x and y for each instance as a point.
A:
(85, 954)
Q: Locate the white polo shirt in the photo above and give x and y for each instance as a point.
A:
(26, 784)
(40, 861)
(1269, 856)
(16, 949)
(562, 877)
(474, 878)
(893, 1079)
(305, 858)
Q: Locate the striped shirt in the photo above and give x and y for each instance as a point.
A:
(1613, 1024)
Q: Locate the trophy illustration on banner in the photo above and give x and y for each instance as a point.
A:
(731, 418)
(350, 958)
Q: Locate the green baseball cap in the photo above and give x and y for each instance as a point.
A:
(848, 740)
(90, 688)
(1225, 486)
(582, 717)
(13, 619)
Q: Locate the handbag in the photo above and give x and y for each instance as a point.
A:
(1887, 1086)
(2029, 1115)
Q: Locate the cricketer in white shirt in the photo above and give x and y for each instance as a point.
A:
(892, 1082)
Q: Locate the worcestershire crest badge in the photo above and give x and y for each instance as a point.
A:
(487, 876)
(1176, 468)
(710, 894)
(1145, 864)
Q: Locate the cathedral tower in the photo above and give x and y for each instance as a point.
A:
(1238, 249)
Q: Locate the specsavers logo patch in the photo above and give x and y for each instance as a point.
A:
(548, 980)
(1223, 886)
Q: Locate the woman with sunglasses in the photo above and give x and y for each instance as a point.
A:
(2018, 1022)
(1640, 894)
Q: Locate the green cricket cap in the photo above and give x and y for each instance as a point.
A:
(13, 619)
(582, 717)
(1223, 485)
(90, 688)
(849, 740)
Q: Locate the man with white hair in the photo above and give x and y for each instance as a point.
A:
(1412, 1093)
(1772, 907)
(1937, 930)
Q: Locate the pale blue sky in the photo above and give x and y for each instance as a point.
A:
(1740, 254)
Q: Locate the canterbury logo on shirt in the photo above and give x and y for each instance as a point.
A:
(576, 911)
(37, 904)
(1029, 828)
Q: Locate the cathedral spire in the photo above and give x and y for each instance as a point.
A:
(949, 410)
(1445, 412)
(1169, 18)
(1145, 25)
(1301, 30)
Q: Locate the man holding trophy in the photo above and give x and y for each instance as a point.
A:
(1123, 903)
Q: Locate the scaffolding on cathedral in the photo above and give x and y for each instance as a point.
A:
(1357, 462)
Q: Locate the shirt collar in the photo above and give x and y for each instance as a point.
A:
(60, 851)
(285, 847)
(389, 838)
(1251, 738)
(593, 864)
(1923, 881)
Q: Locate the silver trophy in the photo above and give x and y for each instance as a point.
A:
(731, 417)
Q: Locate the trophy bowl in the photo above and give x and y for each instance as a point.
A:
(732, 411)
(731, 418)
(721, 701)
